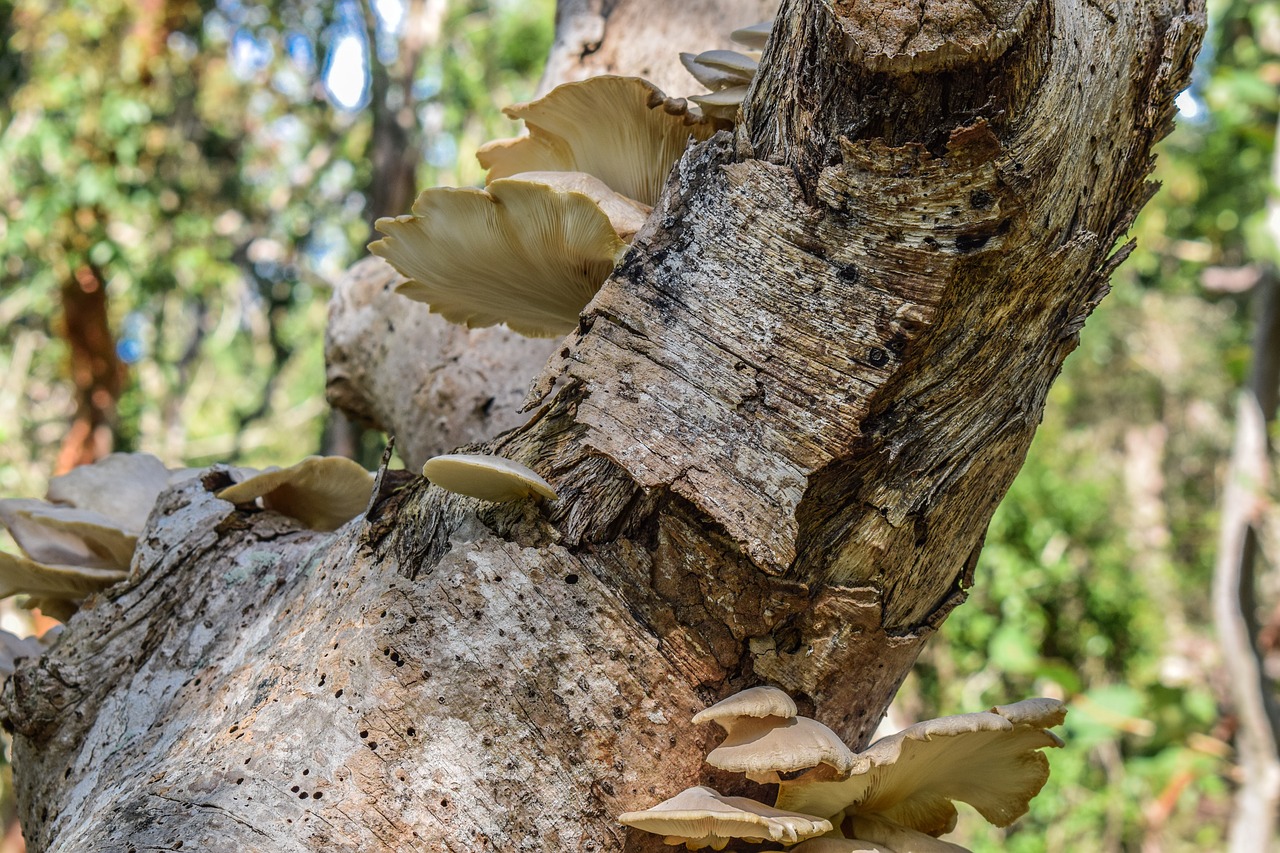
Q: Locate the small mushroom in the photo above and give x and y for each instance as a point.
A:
(490, 478)
(619, 129)
(991, 760)
(702, 817)
(626, 215)
(764, 747)
(720, 69)
(722, 104)
(761, 701)
(322, 492)
(753, 36)
(518, 252)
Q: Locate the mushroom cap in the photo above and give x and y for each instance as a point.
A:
(990, 760)
(518, 252)
(121, 486)
(323, 492)
(723, 103)
(61, 534)
(703, 817)
(763, 747)
(719, 69)
(626, 215)
(490, 478)
(763, 701)
(21, 575)
(604, 126)
(753, 36)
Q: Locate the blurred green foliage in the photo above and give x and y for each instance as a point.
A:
(1094, 582)
(207, 175)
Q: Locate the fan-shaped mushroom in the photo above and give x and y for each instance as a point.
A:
(609, 127)
(702, 817)
(323, 492)
(519, 252)
(490, 478)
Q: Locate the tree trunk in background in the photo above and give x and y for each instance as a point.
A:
(96, 370)
(777, 434)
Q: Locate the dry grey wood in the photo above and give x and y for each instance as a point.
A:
(778, 436)
(393, 365)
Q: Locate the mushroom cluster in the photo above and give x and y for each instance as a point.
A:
(727, 73)
(559, 207)
(898, 795)
(80, 539)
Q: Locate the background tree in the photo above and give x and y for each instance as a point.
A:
(839, 554)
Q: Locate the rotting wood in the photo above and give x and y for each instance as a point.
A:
(778, 436)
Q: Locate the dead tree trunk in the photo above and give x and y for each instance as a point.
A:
(778, 435)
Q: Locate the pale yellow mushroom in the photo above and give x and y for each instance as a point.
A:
(764, 747)
(64, 535)
(991, 760)
(490, 478)
(615, 128)
(899, 839)
(322, 492)
(72, 583)
(764, 737)
(626, 215)
(519, 252)
(702, 817)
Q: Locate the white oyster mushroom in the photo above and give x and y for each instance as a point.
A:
(489, 478)
(702, 817)
(991, 760)
(518, 252)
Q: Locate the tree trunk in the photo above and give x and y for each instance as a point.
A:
(778, 435)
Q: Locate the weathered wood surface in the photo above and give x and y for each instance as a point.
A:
(778, 436)
(393, 365)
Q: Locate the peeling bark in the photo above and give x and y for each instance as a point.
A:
(778, 435)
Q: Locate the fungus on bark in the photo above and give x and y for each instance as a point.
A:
(517, 252)
(626, 215)
(81, 540)
(754, 36)
(620, 129)
(489, 478)
(702, 817)
(990, 760)
(322, 492)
